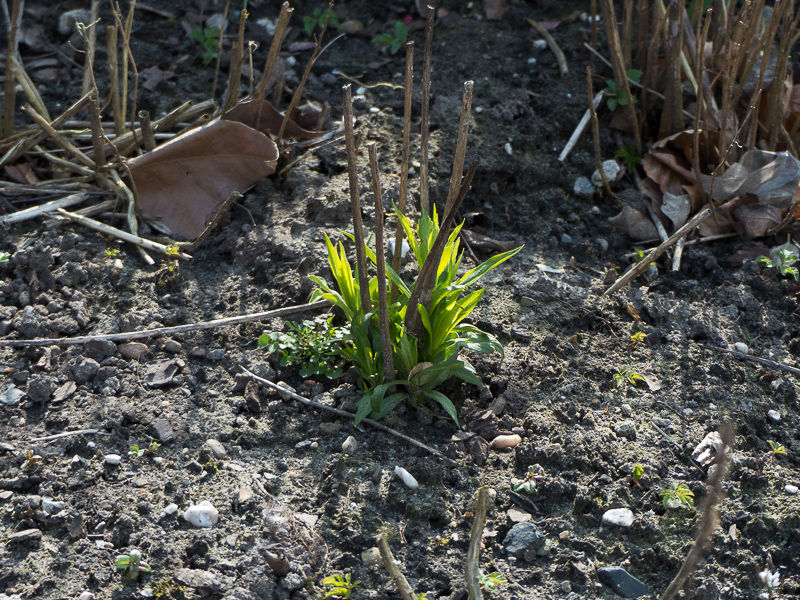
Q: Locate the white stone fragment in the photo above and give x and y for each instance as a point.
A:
(774, 415)
(618, 516)
(406, 477)
(508, 149)
(791, 489)
(741, 347)
(202, 515)
(170, 509)
(350, 445)
(113, 459)
(611, 169)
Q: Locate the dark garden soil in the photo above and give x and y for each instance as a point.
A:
(274, 469)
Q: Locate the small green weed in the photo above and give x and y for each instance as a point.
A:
(782, 258)
(626, 374)
(617, 96)
(164, 590)
(638, 471)
(628, 156)
(491, 581)
(678, 492)
(314, 345)
(209, 38)
(317, 19)
(637, 337)
(337, 586)
(31, 462)
(132, 564)
(4, 256)
(111, 253)
(136, 452)
(528, 483)
(396, 41)
(775, 448)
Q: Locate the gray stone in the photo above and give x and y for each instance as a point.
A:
(611, 169)
(371, 557)
(217, 449)
(216, 354)
(626, 429)
(132, 350)
(26, 535)
(583, 188)
(621, 582)
(521, 537)
(161, 430)
(292, 582)
(198, 579)
(40, 388)
(83, 369)
(618, 516)
(101, 348)
(160, 373)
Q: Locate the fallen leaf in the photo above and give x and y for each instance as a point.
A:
(247, 113)
(484, 242)
(634, 224)
(21, 173)
(757, 219)
(495, 9)
(653, 382)
(182, 183)
(676, 208)
(152, 76)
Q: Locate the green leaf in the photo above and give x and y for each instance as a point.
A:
(478, 272)
(447, 405)
(122, 562)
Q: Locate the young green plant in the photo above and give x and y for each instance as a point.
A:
(626, 374)
(782, 258)
(396, 41)
(337, 586)
(209, 39)
(317, 19)
(130, 565)
(678, 493)
(315, 345)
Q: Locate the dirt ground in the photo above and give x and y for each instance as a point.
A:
(293, 508)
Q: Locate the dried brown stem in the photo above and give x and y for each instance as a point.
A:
(596, 136)
(424, 178)
(11, 51)
(35, 211)
(91, 44)
(383, 306)
(235, 73)
(355, 202)
(219, 48)
(30, 89)
(97, 130)
(60, 140)
(295, 102)
(473, 570)
(551, 43)
(392, 566)
(710, 518)
(642, 14)
(274, 49)
(148, 136)
(113, 71)
(401, 203)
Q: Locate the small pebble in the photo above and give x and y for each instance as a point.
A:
(202, 515)
(566, 587)
(86, 595)
(791, 489)
(350, 445)
(774, 415)
(113, 459)
(741, 347)
(618, 516)
(170, 509)
(406, 477)
(501, 442)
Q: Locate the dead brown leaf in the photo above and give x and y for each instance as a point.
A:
(757, 219)
(271, 119)
(479, 241)
(182, 183)
(495, 9)
(21, 173)
(634, 224)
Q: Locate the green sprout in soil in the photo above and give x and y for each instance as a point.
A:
(782, 258)
(626, 374)
(164, 590)
(111, 253)
(317, 19)
(31, 461)
(528, 483)
(209, 38)
(131, 564)
(638, 471)
(423, 360)
(396, 41)
(775, 449)
(628, 153)
(769, 582)
(616, 96)
(637, 337)
(337, 586)
(678, 493)
(491, 581)
(170, 270)
(4, 256)
(135, 451)
(314, 345)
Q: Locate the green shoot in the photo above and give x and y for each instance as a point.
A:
(338, 586)
(638, 471)
(616, 96)
(396, 41)
(209, 38)
(680, 493)
(626, 374)
(628, 156)
(317, 19)
(491, 581)
(528, 483)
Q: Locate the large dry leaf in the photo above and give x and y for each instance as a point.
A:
(634, 224)
(757, 219)
(182, 183)
(271, 119)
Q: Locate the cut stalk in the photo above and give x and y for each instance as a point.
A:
(355, 203)
(97, 131)
(274, 48)
(596, 136)
(91, 43)
(424, 179)
(235, 73)
(147, 130)
(383, 307)
(113, 72)
(219, 48)
(11, 51)
(401, 202)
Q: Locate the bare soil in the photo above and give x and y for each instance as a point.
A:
(277, 475)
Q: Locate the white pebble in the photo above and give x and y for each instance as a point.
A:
(539, 44)
(113, 459)
(741, 347)
(618, 516)
(170, 509)
(350, 445)
(508, 149)
(774, 415)
(86, 595)
(406, 477)
(202, 515)
(791, 489)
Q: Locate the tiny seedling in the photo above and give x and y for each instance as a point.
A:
(769, 583)
(31, 461)
(209, 38)
(396, 41)
(337, 586)
(111, 253)
(131, 564)
(678, 492)
(638, 471)
(135, 451)
(775, 449)
(528, 483)
(314, 345)
(782, 258)
(637, 337)
(628, 156)
(4, 256)
(626, 374)
(317, 19)
(616, 96)
(491, 581)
